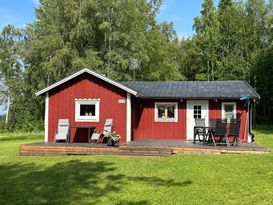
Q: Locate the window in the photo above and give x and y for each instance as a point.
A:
(87, 110)
(197, 111)
(228, 110)
(166, 112)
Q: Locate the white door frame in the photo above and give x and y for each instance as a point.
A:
(190, 122)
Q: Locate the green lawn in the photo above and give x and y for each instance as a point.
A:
(184, 179)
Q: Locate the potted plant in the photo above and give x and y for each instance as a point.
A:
(113, 139)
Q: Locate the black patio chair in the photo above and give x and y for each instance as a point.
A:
(234, 131)
(200, 130)
(219, 134)
(212, 126)
(212, 122)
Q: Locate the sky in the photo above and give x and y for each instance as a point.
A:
(180, 12)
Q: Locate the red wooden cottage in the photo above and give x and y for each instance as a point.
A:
(145, 110)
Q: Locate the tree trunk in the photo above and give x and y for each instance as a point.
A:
(208, 69)
(7, 112)
(212, 71)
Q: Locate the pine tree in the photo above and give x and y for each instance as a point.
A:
(263, 81)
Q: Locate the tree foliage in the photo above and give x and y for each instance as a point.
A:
(263, 81)
(230, 43)
(207, 40)
(123, 40)
(101, 35)
(11, 47)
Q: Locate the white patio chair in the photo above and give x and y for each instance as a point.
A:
(98, 137)
(107, 127)
(62, 130)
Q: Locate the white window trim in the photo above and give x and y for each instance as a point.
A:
(175, 119)
(234, 109)
(79, 102)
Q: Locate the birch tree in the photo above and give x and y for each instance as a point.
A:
(11, 66)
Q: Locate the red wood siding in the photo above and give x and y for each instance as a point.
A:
(62, 104)
(145, 127)
(215, 111)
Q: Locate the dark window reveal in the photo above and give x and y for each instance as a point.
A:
(166, 111)
(197, 111)
(87, 110)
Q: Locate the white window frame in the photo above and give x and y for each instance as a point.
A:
(79, 102)
(234, 109)
(175, 119)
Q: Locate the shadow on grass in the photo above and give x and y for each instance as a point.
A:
(71, 182)
(143, 202)
(61, 183)
(161, 182)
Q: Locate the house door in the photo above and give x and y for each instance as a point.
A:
(196, 109)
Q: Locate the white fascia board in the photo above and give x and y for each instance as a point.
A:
(46, 116)
(85, 70)
(128, 118)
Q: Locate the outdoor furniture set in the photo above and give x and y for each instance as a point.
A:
(64, 130)
(219, 132)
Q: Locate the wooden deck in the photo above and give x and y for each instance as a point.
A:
(187, 147)
(59, 149)
(136, 148)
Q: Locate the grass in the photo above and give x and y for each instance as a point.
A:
(21, 136)
(184, 179)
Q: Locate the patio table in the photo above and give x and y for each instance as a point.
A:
(82, 127)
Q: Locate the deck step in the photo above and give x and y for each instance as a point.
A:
(143, 148)
(144, 151)
(145, 154)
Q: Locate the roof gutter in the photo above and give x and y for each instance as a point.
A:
(196, 98)
(255, 92)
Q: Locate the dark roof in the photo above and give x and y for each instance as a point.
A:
(194, 89)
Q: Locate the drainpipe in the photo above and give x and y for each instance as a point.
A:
(250, 120)
(247, 122)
